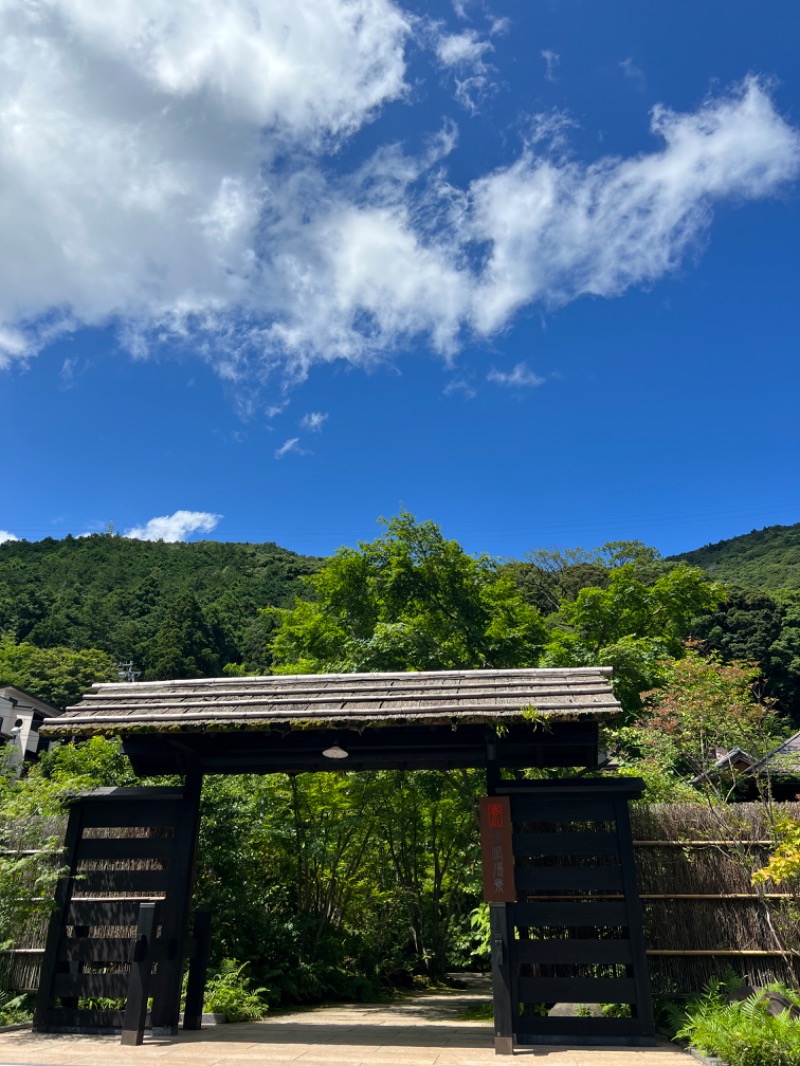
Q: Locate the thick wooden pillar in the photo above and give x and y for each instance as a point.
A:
(499, 931)
(501, 980)
(176, 908)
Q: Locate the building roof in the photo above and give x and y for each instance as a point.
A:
(324, 701)
(26, 702)
(783, 762)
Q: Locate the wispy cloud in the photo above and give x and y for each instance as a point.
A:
(314, 421)
(552, 60)
(289, 446)
(175, 527)
(464, 54)
(460, 387)
(67, 373)
(521, 377)
(457, 48)
(633, 73)
(6, 536)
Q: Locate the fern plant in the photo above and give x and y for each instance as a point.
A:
(13, 1009)
(228, 992)
(743, 1033)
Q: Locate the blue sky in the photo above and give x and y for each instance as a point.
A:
(271, 270)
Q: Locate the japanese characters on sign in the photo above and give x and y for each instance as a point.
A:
(498, 857)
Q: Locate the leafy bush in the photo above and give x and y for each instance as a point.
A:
(743, 1033)
(228, 992)
(13, 1010)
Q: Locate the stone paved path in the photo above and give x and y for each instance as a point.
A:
(420, 1030)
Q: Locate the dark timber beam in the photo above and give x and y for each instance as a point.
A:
(563, 744)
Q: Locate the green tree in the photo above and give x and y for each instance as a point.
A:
(548, 577)
(702, 705)
(184, 644)
(410, 600)
(59, 676)
(631, 625)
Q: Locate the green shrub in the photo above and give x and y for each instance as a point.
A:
(742, 1033)
(13, 1009)
(228, 992)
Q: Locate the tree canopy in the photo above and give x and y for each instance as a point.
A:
(409, 600)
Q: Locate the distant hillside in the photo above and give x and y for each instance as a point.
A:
(764, 559)
(175, 609)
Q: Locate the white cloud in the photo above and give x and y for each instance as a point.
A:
(521, 377)
(464, 54)
(314, 421)
(558, 229)
(6, 536)
(173, 176)
(552, 60)
(175, 527)
(288, 446)
(456, 48)
(133, 160)
(67, 373)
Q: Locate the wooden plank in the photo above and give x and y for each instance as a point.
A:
(91, 985)
(751, 897)
(503, 996)
(95, 949)
(380, 699)
(128, 881)
(588, 844)
(174, 912)
(89, 1020)
(104, 912)
(577, 1027)
(587, 788)
(116, 848)
(732, 952)
(577, 990)
(131, 815)
(574, 951)
(544, 878)
(138, 988)
(699, 843)
(639, 971)
(198, 964)
(574, 914)
(559, 808)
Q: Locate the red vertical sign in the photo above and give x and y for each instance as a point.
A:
(496, 850)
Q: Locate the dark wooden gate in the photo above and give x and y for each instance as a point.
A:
(574, 936)
(124, 847)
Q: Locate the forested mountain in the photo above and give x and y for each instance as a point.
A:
(70, 608)
(764, 559)
(177, 610)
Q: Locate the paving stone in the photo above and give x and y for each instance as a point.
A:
(419, 1030)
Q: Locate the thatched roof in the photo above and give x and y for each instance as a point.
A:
(322, 701)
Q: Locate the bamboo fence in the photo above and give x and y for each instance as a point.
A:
(702, 914)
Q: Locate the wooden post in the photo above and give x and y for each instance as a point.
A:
(196, 983)
(141, 970)
(63, 894)
(501, 980)
(644, 1004)
(175, 911)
